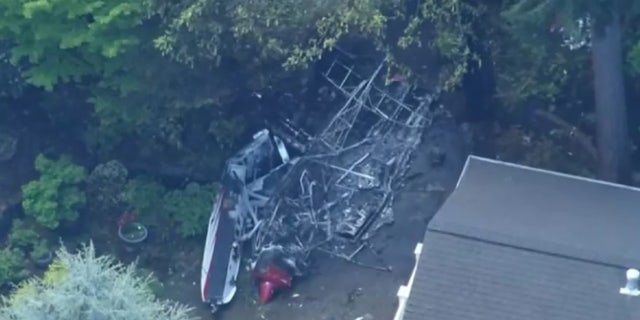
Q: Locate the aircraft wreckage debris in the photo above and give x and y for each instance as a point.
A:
(333, 197)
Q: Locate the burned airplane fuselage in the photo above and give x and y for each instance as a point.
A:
(234, 217)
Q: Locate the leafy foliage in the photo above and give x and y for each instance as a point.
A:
(190, 208)
(537, 13)
(41, 249)
(573, 19)
(185, 210)
(294, 30)
(11, 266)
(22, 235)
(534, 15)
(154, 284)
(452, 23)
(87, 286)
(104, 48)
(531, 59)
(106, 187)
(56, 196)
(254, 34)
(541, 69)
(145, 196)
(137, 93)
(149, 102)
(11, 82)
(66, 41)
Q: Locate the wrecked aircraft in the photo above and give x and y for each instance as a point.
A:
(331, 197)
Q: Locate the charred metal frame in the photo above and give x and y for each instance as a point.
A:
(341, 190)
(337, 194)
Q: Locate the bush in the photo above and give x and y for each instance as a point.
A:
(41, 250)
(55, 197)
(106, 187)
(22, 235)
(11, 267)
(85, 286)
(145, 195)
(154, 284)
(186, 210)
(190, 208)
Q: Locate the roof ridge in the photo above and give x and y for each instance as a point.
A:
(550, 172)
(523, 248)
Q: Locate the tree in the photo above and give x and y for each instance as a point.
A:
(65, 40)
(611, 106)
(86, 286)
(258, 37)
(103, 50)
(634, 58)
(269, 30)
(602, 20)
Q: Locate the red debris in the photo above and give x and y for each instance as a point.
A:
(272, 279)
(266, 291)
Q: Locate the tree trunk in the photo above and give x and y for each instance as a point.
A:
(611, 109)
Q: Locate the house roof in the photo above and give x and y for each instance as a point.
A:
(513, 242)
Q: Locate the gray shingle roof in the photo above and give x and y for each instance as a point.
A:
(462, 278)
(520, 243)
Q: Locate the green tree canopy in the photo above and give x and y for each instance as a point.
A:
(294, 30)
(68, 40)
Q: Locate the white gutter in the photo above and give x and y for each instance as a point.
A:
(405, 291)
